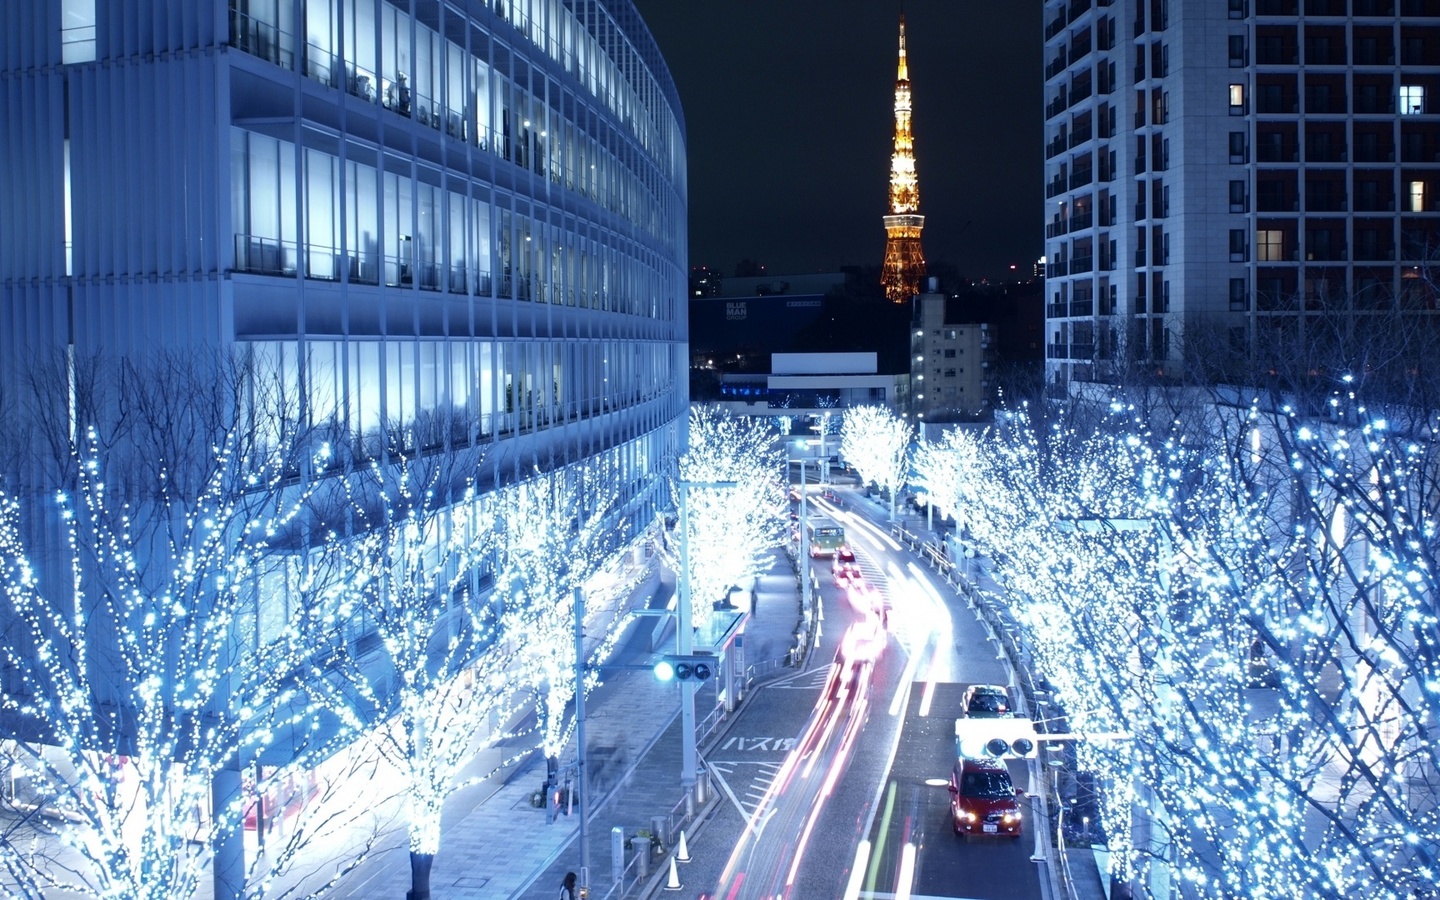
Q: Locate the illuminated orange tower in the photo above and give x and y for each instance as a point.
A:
(904, 260)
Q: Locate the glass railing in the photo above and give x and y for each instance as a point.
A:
(262, 39)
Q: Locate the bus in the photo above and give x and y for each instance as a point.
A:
(826, 536)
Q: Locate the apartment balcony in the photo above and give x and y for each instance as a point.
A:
(1082, 220)
(1081, 177)
(1057, 229)
(1059, 267)
(1055, 187)
(1056, 147)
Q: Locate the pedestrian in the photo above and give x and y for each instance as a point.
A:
(567, 890)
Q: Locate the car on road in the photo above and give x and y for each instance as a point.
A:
(983, 799)
(844, 567)
(986, 701)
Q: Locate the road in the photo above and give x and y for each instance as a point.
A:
(836, 777)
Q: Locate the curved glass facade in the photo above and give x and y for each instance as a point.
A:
(463, 221)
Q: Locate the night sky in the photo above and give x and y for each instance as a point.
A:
(789, 109)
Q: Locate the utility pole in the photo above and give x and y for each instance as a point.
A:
(805, 598)
(582, 792)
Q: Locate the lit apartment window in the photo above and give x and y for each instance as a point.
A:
(1270, 245)
(1417, 196)
(1237, 99)
(1412, 99)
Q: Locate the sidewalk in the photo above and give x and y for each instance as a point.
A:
(502, 848)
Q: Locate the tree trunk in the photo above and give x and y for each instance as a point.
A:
(420, 876)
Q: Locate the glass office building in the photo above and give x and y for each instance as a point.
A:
(406, 209)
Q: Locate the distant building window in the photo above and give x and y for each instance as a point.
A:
(77, 31)
(1412, 99)
(950, 353)
(1237, 99)
(1237, 295)
(950, 373)
(1416, 194)
(1237, 245)
(1271, 245)
(1237, 197)
(1237, 147)
(951, 334)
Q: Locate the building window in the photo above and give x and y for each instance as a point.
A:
(1237, 147)
(1237, 245)
(1237, 99)
(1238, 202)
(950, 353)
(1416, 194)
(1412, 99)
(1270, 245)
(1237, 9)
(950, 373)
(1237, 51)
(1238, 301)
(77, 31)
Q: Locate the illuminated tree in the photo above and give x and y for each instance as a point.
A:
(732, 529)
(1161, 579)
(133, 680)
(554, 533)
(415, 546)
(875, 441)
(941, 466)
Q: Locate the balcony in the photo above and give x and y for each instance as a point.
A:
(1078, 8)
(1055, 27)
(1056, 147)
(1056, 66)
(1082, 264)
(1054, 188)
(1080, 136)
(1056, 229)
(1058, 267)
(1057, 106)
(1081, 221)
(1081, 177)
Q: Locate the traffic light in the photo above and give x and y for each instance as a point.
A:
(1003, 737)
(685, 668)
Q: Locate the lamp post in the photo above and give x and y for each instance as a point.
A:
(685, 637)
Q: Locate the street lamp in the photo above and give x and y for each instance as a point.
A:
(685, 637)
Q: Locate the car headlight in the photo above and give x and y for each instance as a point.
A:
(1011, 817)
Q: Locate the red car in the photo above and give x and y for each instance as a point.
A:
(983, 799)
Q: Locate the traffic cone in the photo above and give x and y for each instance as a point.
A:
(674, 883)
(682, 854)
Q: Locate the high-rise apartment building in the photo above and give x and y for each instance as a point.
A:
(1232, 165)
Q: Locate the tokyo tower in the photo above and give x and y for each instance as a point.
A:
(904, 260)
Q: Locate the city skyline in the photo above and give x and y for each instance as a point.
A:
(790, 138)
